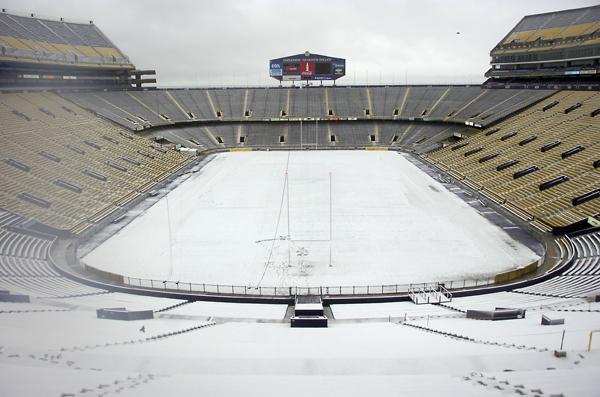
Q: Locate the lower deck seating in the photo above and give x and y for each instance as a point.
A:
(406, 135)
(46, 287)
(581, 279)
(67, 168)
(565, 287)
(25, 267)
(542, 161)
(21, 245)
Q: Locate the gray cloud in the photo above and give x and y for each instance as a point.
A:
(229, 42)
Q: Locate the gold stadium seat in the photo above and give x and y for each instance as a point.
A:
(53, 140)
(490, 160)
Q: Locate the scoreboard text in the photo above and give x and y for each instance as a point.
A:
(307, 67)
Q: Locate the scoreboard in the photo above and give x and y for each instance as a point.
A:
(307, 66)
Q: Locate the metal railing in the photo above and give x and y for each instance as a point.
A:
(290, 291)
(429, 294)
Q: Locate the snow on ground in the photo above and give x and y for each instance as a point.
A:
(56, 330)
(386, 310)
(270, 359)
(231, 310)
(585, 305)
(276, 349)
(582, 382)
(391, 223)
(301, 386)
(116, 299)
(27, 377)
(527, 331)
(511, 300)
(36, 305)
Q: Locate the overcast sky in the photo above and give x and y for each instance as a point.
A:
(228, 42)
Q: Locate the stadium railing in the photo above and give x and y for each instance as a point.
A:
(349, 290)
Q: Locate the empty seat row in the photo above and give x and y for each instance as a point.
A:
(25, 267)
(587, 245)
(46, 287)
(542, 161)
(67, 168)
(59, 41)
(565, 286)
(436, 103)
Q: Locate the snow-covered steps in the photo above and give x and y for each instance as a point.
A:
(308, 312)
(164, 309)
(474, 340)
(142, 340)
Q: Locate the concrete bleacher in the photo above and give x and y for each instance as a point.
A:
(194, 102)
(588, 245)
(442, 104)
(100, 105)
(386, 101)
(455, 99)
(421, 100)
(453, 104)
(566, 286)
(417, 136)
(581, 279)
(19, 245)
(44, 287)
(66, 168)
(494, 105)
(348, 101)
(156, 105)
(489, 161)
(307, 102)
(133, 106)
(13, 266)
(228, 103)
(25, 267)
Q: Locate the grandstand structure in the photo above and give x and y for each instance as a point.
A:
(83, 144)
(410, 117)
(559, 48)
(43, 53)
(464, 105)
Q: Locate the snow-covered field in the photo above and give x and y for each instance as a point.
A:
(385, 222)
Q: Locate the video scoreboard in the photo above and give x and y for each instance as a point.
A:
(307, 66)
